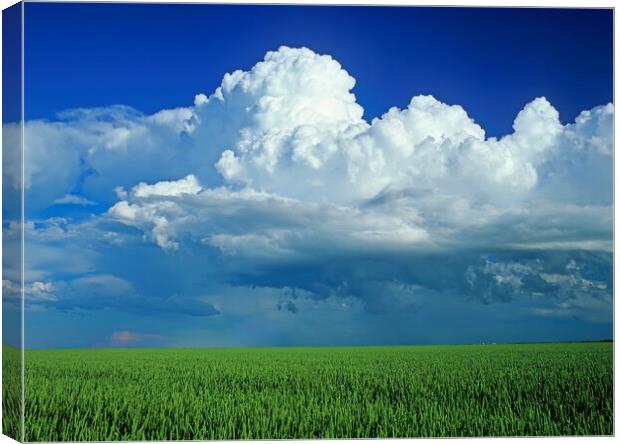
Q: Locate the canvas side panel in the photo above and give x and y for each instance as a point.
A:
(12, 210)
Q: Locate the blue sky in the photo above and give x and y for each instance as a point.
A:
(361, 175)
(490, 61)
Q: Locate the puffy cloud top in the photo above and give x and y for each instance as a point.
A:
(187, 185)
(296, 131)
(290, 128)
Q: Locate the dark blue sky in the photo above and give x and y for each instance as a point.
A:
(490, 61)
(11, 63)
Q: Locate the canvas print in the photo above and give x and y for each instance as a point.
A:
(228, 222)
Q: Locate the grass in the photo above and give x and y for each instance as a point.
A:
(356, 392)
(11, 392)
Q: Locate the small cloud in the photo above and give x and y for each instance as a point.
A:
(120, 193)
(125, 338)
(34, 293)
(174, 188)
(72, 199)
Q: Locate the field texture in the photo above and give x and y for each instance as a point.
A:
(475, 390)
(11, 392)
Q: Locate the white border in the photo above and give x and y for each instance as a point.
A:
(481, 3)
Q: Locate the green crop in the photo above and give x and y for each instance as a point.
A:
(11, 391)
(346, 392)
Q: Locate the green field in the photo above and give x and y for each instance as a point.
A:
(470, 390)
(11, 392)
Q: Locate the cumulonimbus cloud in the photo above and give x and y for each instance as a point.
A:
(279, 165)
(290, 133)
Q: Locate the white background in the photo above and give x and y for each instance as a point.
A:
(565, 3)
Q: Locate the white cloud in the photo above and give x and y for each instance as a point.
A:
(295, 150)
(187, 185)
(277, 165)
(430, 146)
(40, 291)
(72, 199)
(251, 223)
(291, 127)
(35, 293)
(99, 149)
